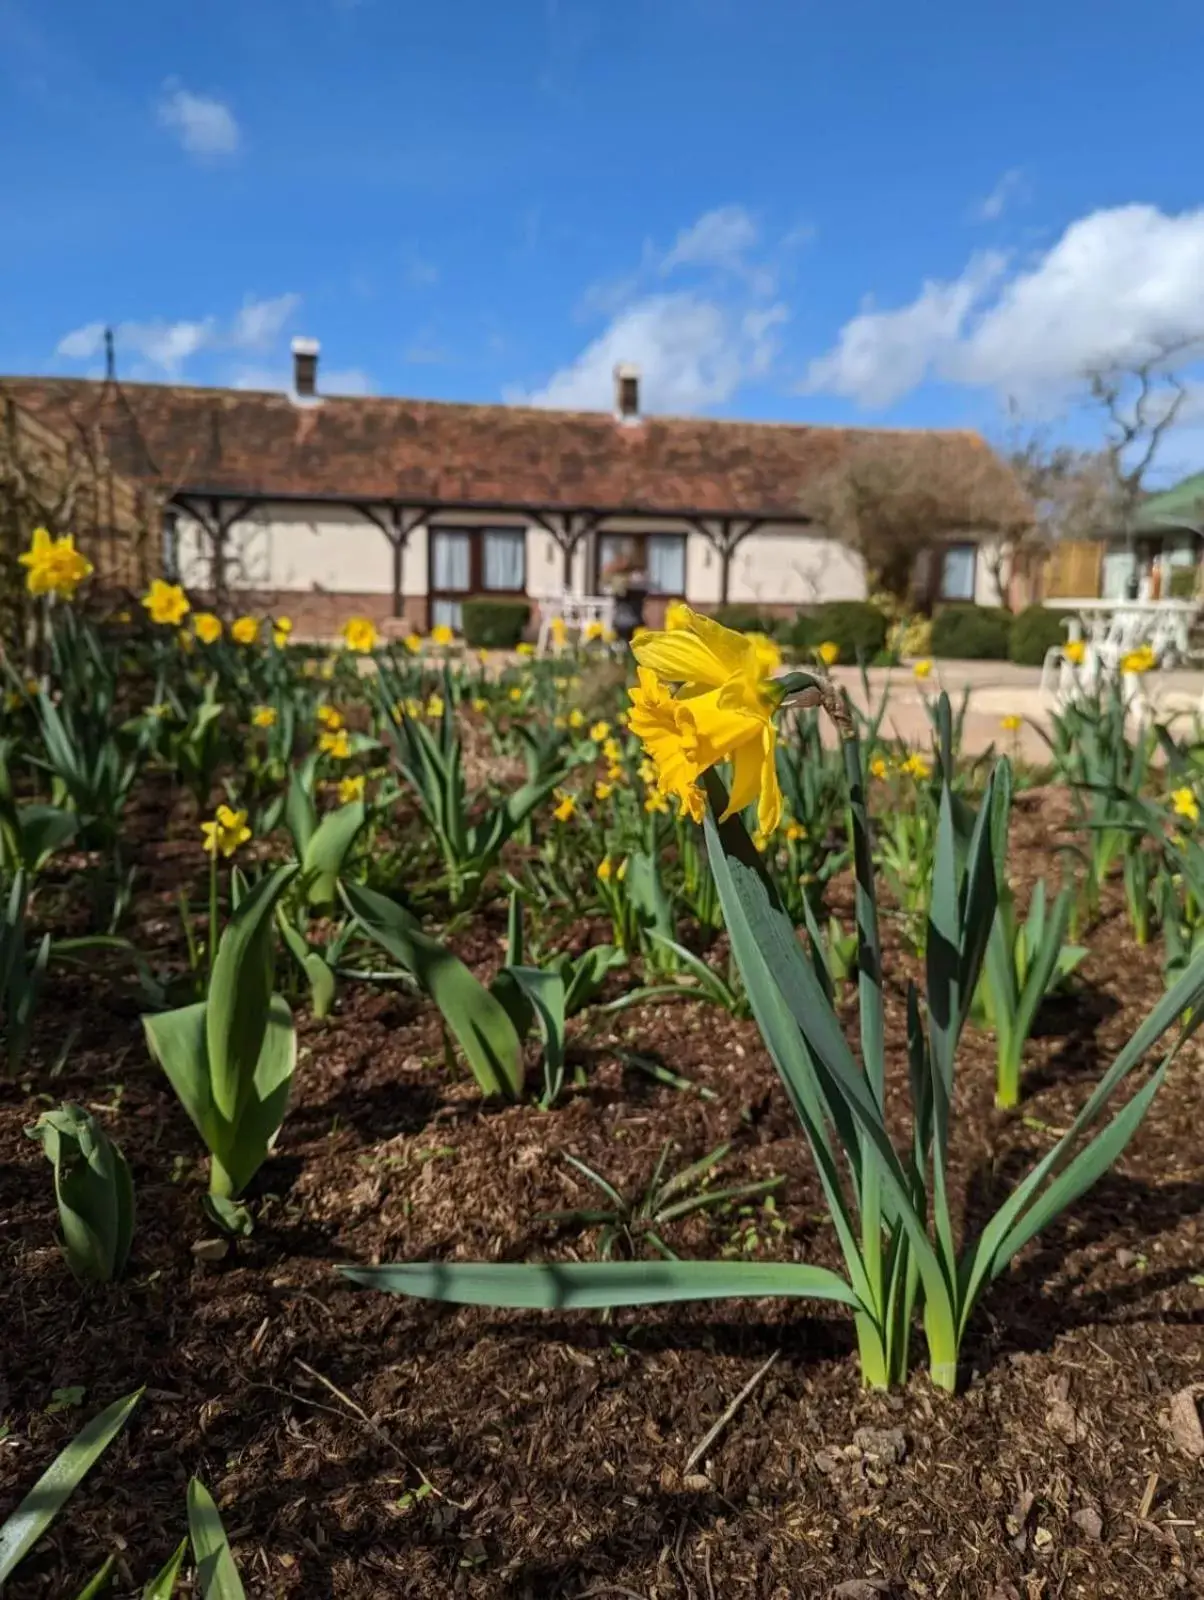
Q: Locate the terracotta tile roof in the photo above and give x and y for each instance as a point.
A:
(421, 451)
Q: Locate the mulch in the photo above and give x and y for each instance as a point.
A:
(362, 1445)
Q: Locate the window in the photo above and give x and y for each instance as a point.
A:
(661, 555)
(958, 562)
(466, 561)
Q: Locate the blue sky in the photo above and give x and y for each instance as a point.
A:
(778, 209)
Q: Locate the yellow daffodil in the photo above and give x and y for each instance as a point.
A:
(413, 643)
(599, 731)
(1075, 651)
(245, 630)
(329, 718)
(1185, 804)
(592, 632)
(654, 800)
(1011, 722)
(54, 566)
(769, 654)
(916, 766)
(605, 869)
(576, 718)
(351, 789)
(828, 653)
(1140, 660)
(263, 717)
(207, 627)
(616, 774)
(922, 669)
(524, 648)
(723, 710)
(878, 767)
(677, 615)
(413, 709)
(558, 631)
(434, 706)
(336, 744)
(442, 635)
(480, 705)
(516, 694)
(166, 603)
(226, 832)
(611, 750)
(647, 772)
(282, 631)
(326, 671)
(603, 791)
(359, 634)
(566, 805)
(794, 832)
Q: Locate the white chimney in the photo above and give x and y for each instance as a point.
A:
(627, 392)
(305, 368)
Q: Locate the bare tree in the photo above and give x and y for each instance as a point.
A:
(893, 495)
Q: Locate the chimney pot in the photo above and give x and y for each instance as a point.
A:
(305, 367)
(627, 392)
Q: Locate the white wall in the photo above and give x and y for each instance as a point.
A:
(295, 548)
(986, 590)
(792, 566)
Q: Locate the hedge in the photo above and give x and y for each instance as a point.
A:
(1035, 632)
(492, 624)
(858, 628)
(745, 619)
(971, 633)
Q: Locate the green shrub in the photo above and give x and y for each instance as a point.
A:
(1183, 582)
(858, 628)
(745, 619)
(971, 633)
(492, 624)
(1034, 632)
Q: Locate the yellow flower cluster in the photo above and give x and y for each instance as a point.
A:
(1185, 804)
(1139, 661)
(360, 635)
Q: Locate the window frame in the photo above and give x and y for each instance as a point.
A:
(476, 561)
(641, 539)
(944, 552)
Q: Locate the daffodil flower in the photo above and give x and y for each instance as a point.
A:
(166, 603)
(351, 789)
(54, 566)
(207, 627)
(566, 805)
(1185, 804)
(359, 634)
(442, 635)
(722, 711)
(245, 630)
(226, 832)
(263, 717)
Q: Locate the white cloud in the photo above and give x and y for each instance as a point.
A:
(204, 126)
(694, 346)
(692, 353)
(83, 343)
(160, 348)
(882, 355)
(1118, 286)
(720, 238)
(992, 206)
(260, 322)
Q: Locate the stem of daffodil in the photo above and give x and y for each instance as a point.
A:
(211, 943)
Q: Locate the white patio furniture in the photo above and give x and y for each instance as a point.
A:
(1109, 630)
(576, 611)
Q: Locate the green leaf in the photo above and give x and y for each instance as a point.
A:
(577, 1284)
(46, 1499)
(237, 1004)
(327, 849)
(176, 1040)
(300, 813)
(479, 1021)
(216, 1571)
(163, 1585)
(99, 1581)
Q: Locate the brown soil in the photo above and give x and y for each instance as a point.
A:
(554, 1445)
